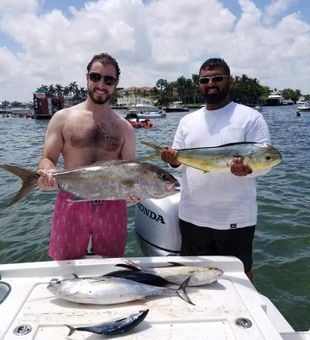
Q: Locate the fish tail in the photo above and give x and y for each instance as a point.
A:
(182, 291)
(157, 152)
(71, 330)
(28, 177)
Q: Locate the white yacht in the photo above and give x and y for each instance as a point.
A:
(177, 106)
(305, 106)
(301, 100)
(275, 99)
(146, 110)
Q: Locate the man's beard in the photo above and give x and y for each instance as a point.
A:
(99, 101)
(215, 98)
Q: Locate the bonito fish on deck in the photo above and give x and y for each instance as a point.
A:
(110, 180)
(110, 290)
(258, 156)
(176, 273)
(113, 327)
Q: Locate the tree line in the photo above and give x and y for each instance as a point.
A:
(244, 90)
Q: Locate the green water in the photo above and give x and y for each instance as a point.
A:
(282, 241)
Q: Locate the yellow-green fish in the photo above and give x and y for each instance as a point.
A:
(259, 156)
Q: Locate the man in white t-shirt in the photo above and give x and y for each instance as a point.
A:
(218, 212)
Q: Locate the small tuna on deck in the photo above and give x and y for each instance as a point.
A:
(176, 273)
(113, 327)
(106, 290)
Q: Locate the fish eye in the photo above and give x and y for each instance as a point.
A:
(163, 177)
(268, 158)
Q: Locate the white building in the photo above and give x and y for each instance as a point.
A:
(134, 95)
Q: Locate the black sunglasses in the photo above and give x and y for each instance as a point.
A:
(215, 79)
(95, 77)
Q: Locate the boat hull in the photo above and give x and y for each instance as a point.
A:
(225, 309)
(172, 109)
(303, 108)
(151, 115)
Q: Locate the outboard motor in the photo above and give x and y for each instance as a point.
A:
(157, 226)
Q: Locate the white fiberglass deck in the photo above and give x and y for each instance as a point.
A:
(217, 306)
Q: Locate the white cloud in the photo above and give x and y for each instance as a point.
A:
(14, 6)
(151, 40)
(277, 7)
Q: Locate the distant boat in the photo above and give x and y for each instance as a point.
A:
(147, 110)
(144, 123)
(304, 107)
(21, 110)
(136, 122)
(257, 107)
(301, 100)
(177, 106)
(45, 104)
(288, 102)
(275, 99)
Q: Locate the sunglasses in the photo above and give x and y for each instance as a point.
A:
(215, 79)
(95, 77)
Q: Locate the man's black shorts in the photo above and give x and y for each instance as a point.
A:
(207, 241)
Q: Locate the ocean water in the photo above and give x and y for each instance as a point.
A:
(282, 239)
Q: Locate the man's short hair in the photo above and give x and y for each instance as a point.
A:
(105, 58)
(215, 63)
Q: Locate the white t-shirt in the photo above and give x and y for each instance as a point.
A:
(219, 201)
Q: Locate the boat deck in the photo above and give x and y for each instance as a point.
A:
(228, 309)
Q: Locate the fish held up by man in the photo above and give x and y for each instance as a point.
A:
(107, 180)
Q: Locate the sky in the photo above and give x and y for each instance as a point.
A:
(45, 42)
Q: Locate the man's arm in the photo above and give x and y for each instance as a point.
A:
(52, 149)
(128, 151)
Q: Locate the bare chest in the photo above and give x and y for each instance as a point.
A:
(92, 141)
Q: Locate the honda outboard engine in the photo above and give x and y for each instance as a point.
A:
(157, 226)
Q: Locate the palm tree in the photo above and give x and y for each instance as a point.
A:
(59, 90)
(73, 88)
(51, 89)
(42, 88)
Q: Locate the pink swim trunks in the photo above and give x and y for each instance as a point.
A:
(74, 222)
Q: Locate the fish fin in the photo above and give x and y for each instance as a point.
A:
(28, 177)
(71, 331)
(128, 183)
(157, 152)
(117, 273)
(182, 291)
(128, 266)
(157, 148)
(195, 167)
(176, 264)
(132, 263)
(77, 199)
(150, 157)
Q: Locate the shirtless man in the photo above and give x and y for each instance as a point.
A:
(84, 134)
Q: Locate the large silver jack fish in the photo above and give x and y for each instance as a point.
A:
(259, 156)
(110, 180)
